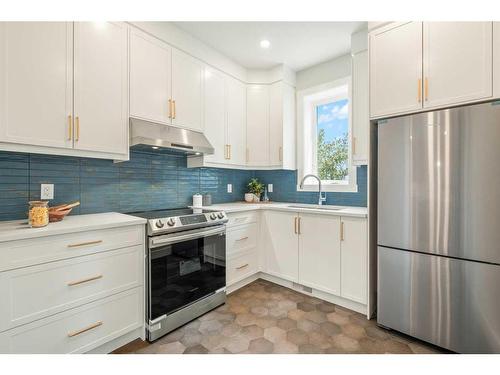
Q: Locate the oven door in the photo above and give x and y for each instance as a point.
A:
(184, 267)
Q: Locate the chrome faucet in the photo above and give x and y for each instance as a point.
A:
(321, 197)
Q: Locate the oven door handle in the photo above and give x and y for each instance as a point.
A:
(164, 240)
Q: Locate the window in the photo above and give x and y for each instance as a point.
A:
(324, 140)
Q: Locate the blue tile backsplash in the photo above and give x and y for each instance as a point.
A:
(145, 182)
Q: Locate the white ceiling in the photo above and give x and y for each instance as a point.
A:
(296, 44)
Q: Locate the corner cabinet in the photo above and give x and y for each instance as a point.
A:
(257, 125)
(360, 108)
(45, 67)
(416, 66)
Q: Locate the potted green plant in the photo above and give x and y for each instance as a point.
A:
(255, 189)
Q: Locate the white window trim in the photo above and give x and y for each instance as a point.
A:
(311, 183)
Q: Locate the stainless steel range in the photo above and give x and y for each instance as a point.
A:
(186, 266)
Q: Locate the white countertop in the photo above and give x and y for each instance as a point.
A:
(282, 206)
(19, 229)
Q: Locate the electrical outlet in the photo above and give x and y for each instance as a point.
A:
(47, 191)
(229, 188)
(269, 188)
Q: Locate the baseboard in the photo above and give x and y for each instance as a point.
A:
(112, 345)
(239, 284)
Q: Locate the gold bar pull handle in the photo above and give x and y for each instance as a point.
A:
(77, 120)
(299, 231)
(82, 281)
(242, 238)
(342, 231)
(85, 243)
(175, 110)
(280, 153)
(229, 152)
(248, 155)
(426, 89)
(169, 108)
(354, 145)
(243, 266)
(70, 127)
(295, 225)
(419, 88)
(80, 331)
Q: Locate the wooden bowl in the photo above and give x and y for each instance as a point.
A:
(58, 215)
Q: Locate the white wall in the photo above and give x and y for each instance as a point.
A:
(325, 72)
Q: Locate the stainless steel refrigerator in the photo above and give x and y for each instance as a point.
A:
(439, 227)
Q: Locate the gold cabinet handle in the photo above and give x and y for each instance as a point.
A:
(419, 88)
(354, 145)
(85, 243)
(280, 153)
(247, 155)
(82, 281)
(174, 112)
(342, 231)
(295, 225)
(243, 266)
(242, 238)
(70, 127)
(426, 89)
(170, 108)
(80, 331)
(77, 120)
(226, 152)
(299, 231)
(229, 152)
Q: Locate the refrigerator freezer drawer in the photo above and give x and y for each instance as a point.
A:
(449, 302)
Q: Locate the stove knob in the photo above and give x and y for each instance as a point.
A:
(213, 216)
(159, 224)
(220, 215)
(171, 222)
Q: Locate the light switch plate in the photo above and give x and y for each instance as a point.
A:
(47, 191)
(269, 188)
(229, 188)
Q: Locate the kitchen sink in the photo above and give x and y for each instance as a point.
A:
(315, 207)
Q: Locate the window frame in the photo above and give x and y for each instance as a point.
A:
(307, 101)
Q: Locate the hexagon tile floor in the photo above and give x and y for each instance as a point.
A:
(263, 317)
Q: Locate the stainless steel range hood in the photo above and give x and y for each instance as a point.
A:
(148, 136)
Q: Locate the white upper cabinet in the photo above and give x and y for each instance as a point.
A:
(215, 115)
(319, 252)
(187, 91)
(236, 97)
(282, 126)
(496, 59)
(101, 87)
(457, 62)
(150, 78)
(36, 83)
(354, 259)
(257, 125)
(396, 69)
(360, 104)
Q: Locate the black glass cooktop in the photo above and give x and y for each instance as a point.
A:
(158, 214)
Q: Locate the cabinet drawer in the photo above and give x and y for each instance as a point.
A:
(241, 238)
(241, 266)
(16, 254)
(78, 330)
(238, 218)
(35, 292)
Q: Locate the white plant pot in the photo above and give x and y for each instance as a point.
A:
(249, 197)
(256, 198)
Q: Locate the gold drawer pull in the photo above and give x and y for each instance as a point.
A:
(243, 266)
(85, 280)
(342, 231)
(174, 112)
(70, 128)
(170, 108)
(76, 333)
(85, 243)
(77, 128)
(242, 238)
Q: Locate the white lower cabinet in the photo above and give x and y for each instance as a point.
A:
(319, 252)
(354, 259)
(496, 59)
(71, 293)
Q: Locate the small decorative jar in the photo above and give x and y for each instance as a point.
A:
(38, 214)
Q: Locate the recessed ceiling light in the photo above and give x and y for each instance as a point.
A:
(264, 43)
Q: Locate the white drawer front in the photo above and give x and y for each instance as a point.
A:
(24, 253)
(239, 218)
(241, 238)
(240, 267)
(35, 292)
(80, 329)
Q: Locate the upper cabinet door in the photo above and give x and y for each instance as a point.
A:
(101, 87)
(236, 96)
(215, 115)
(457, 62)
(258, 125)
(496, 59)
(396, 69)
(276, 124)
(187, 91)
(360, 115)
(36, 83)
(150, 78)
